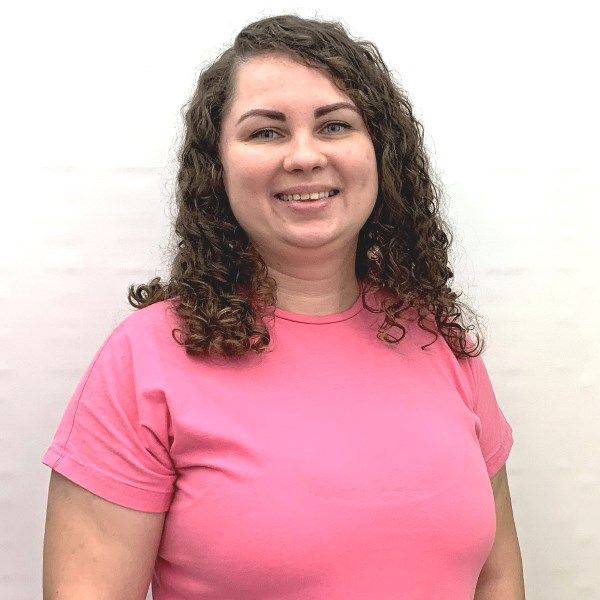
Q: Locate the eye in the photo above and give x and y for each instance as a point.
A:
(257, 134)
(339, 124)
(261, 133)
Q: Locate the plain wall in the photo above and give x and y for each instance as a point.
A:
(508, 98)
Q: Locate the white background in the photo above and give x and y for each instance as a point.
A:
(508, 96)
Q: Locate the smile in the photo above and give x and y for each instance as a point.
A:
(307, 197)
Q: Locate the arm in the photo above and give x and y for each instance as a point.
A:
(94, 548)
(501, 577)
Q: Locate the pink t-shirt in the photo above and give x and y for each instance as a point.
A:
(334, 466)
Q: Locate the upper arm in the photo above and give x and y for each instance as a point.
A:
(94, 548)
(504, 559)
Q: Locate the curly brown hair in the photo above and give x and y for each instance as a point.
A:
(220, 284)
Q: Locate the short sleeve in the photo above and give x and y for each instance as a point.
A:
(113, 438)
(493, 430)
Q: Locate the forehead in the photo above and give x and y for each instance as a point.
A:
(271, 78)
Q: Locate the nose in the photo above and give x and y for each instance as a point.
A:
(304, 154)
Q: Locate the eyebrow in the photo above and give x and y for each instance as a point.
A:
(279, 116)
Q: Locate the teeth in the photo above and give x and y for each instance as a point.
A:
(313, 196)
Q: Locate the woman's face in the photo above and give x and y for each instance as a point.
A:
(301, 143)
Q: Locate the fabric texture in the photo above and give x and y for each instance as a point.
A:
(333, 466)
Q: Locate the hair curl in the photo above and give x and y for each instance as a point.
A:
(221, 283)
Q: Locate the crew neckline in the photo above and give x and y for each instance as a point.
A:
(350, 312)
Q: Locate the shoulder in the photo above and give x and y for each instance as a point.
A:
(144, 331)
(147, 320)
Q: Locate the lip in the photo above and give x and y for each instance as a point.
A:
(308, 207)
(308, 189)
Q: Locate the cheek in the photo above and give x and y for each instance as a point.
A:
(248, 168)
(362, 165)
(246, 176)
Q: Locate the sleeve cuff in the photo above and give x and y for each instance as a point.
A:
(107, 487)
(496, 460)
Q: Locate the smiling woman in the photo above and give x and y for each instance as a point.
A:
(251, 135)
(305, 157)
(288, 446)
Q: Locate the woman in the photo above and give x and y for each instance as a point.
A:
(253, 430)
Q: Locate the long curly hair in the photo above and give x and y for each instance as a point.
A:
(219, 284)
